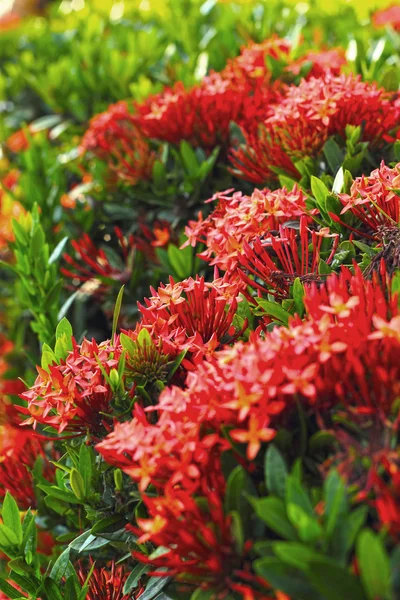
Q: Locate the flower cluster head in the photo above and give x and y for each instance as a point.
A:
(191, 315)
(299, 125)
(252, 63)
(200, 115)
(238, 218)
(387, 16)
(75, 394)
(93, 267)
(374, 199)
(114, 138)
(107, 583)
(272, 264)
(19, 451)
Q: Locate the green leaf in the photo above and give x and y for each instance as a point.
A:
(144, 338)
(11, 516)
(335, 501)
(189, 158)
(8, 538)
(86, 467)
(273, 512)
(374, 565)
(61, 566)
(307, 526)
(298, 295)
(333, 154)
(295, 554)
(64, 328)
(275, 472)
(117, 310)
(320, 192)
(55, 255)
(181, 260)
(77, 484)
(285, 578)
(334, 582)
(128, 344)
(237, 531)
(154, 587)
(274, 310)
(134, 576)
(9, 590)
(296, 494)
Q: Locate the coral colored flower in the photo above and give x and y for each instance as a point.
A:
(293, 255)
(19, 451)
(299, 125)
(114, 138)
(256, 433)
(18, 141)
(191, 315)
(373, 198)
(107, 583)
(93, 267)
(384, 482)
(74, 394)
(322, 62)
(201, 115)
(387, 16)
(238, 218)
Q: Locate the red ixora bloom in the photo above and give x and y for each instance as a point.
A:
(19, 451)
(307, 116)
(200, 115)
(95, 267)
(373, 199)
(107, 583)
(270, 265)
(387, 16)
(238, 218)
(74, 394)
(191, 315)
(114, 138)
(384, 482)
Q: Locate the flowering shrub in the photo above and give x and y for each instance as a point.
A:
(200, 253)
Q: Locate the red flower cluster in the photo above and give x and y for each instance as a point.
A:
(294, 254)
(299, 125)
(238, 218)
(388, 16)
(252, 63)
(201, 115)
(191, 315)
(97, 268)
(107, 583)
(19, 451)
(75, 394)
(373, 198)
(114, 138)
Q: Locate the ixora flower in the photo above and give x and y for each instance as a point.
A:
(107, 583)
(388, 16)
(201, 115)
(191, 315)
(75, 395)
(299, 125)
(93, 266)
(238, 218)
(19, 451)
(294, 254)
(114, 138)
(374, 199)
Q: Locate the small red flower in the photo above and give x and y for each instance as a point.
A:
(107, 583)
(238, 219)
(95, 268)
(387, 16)
(74, 394)
(114, 138)
(373, 198)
